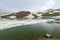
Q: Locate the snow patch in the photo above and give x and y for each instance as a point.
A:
(13, 23)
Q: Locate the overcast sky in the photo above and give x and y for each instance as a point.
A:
(30, 5)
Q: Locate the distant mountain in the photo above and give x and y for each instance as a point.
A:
(28, 14)
(56, 9)
(20, 14)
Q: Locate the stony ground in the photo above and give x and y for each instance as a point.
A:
(49, 39)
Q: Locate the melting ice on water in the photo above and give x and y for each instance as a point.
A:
(4, 24)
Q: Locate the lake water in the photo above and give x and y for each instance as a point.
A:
(30, 29)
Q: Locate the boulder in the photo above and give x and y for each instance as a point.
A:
(48, 35)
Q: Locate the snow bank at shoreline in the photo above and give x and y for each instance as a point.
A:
(5, 24)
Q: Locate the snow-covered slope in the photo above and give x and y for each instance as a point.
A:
(5, 24)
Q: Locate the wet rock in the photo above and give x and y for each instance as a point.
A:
(48, 35)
